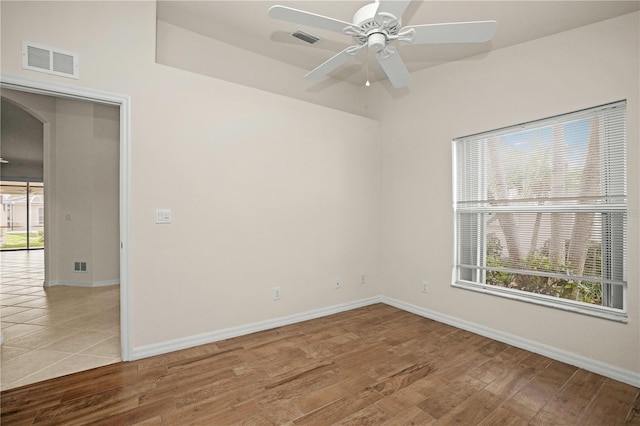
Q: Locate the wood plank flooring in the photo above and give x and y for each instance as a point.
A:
(376, 365)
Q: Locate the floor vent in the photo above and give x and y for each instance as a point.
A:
(50, 60)
(79, 266)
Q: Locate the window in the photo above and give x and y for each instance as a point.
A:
(541, 212)
(21, 218)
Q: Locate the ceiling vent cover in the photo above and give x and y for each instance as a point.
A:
(306, 37)
(36, 57)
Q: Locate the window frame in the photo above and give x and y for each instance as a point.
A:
(479, 284)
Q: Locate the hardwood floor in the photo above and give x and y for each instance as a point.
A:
(374, 365)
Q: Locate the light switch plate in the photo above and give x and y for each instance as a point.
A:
(163, 215)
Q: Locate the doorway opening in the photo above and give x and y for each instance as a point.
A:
(39, 216)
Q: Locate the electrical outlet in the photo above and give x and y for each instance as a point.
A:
(276, 293)
(338, 285)
(79, 266)
(362, 279)
(425, 286)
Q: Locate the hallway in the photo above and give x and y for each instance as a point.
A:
(53, 331)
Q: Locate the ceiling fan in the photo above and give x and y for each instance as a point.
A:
(376, 26)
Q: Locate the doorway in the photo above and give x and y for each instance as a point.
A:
(39, 217)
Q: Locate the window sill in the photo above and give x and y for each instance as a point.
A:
(548, 301)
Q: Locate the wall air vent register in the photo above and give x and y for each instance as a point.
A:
(50, 60)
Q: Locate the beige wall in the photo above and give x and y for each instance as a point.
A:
(278, 192)
(585, 67)
(105, 202)
(87, 158)
(184, 49)
(265, 190)
(81, 179)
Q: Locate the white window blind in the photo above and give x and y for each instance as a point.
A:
(541, 211)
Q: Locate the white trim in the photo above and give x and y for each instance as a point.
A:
(627, 376)
(124, 102)
(568, 305)
(81, 283)
(60, 90)
(228, 333)
(608, 370)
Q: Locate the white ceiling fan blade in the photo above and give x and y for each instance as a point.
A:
(333, 63)
(307, 18)
(454, 32)
(393, 7)
(394, 67)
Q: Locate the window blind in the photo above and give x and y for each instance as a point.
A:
(541, 207)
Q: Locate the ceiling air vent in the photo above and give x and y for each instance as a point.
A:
(36, 57)
(306, 37)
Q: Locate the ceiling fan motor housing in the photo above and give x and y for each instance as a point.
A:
(375, 28)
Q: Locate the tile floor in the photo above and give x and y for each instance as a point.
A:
(53, 331)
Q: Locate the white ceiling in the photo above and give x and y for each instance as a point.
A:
(246, 25)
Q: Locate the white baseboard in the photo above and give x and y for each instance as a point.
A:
(607, 370)
(630, 377)
(228, 333)
(106, 283)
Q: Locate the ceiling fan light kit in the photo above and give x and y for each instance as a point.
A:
(376, 26)
(377, 41)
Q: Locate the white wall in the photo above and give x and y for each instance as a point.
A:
(585, 67)
(265, 190)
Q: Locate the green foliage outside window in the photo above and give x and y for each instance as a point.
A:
(580, 290)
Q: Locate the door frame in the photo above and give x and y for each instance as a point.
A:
(48, 88)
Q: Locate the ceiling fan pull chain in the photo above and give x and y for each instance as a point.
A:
(367, 63)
